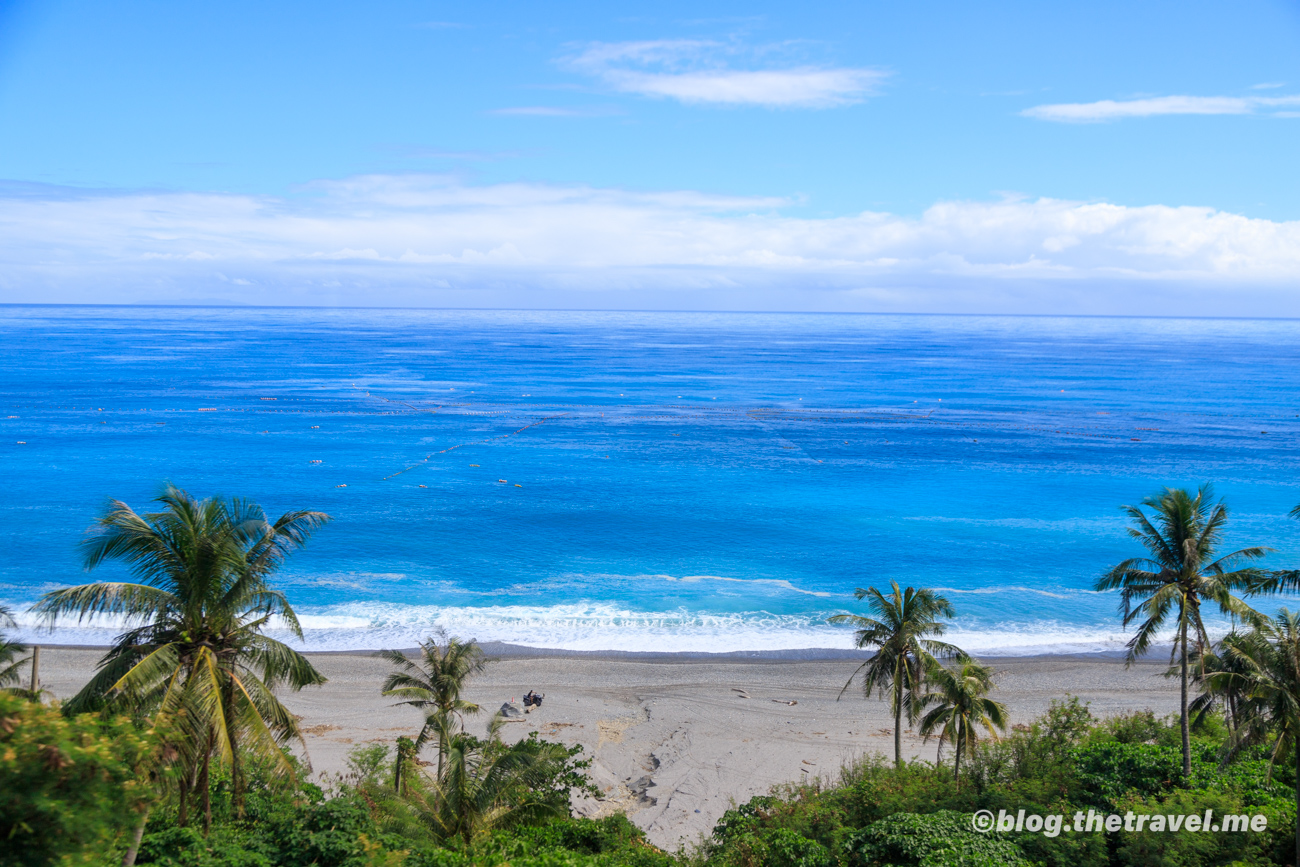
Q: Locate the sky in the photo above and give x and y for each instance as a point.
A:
(1079, 158)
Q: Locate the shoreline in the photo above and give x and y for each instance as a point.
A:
(676, 740)
(504, 650)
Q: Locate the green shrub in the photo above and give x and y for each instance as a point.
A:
(943, 839)
(877, 789)
(1108, 770)
(70, 787)
(613, 837)
(1207, 848)
(771, 847)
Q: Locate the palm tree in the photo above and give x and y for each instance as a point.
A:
(198, 661)
(9, 667)
(1219, 671)
(1267, 670)
(1182, 573)
(434, 683)
(959, 708)
(1284, 579)
(485, 785)
(903, 634)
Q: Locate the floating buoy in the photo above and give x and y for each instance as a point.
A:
(473, 465)
(518, 486)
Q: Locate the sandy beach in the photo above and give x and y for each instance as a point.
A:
(675, 740)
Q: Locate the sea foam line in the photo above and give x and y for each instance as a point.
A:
(606, 627)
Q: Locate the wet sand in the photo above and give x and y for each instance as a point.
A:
(674, 742)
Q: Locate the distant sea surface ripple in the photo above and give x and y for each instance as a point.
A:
(649, 481)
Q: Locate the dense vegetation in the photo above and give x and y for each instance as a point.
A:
(877, 814)
(178, 753)
(72, 790)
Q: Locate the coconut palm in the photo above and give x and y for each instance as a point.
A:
(1284, 579)
(10, 668)
(1267, 670)
(197, 661)
(903, 633)
(433, 684)
(1182, 573)
(1220, 674)
(959, 708)
(485, 785)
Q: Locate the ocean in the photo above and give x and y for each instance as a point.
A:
(649, 481)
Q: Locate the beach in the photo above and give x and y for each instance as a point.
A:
(675, 742)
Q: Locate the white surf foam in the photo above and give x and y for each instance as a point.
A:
(597, 626)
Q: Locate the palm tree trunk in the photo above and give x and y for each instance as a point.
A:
(898, 715)
(956, 767)
(1187, 738)
(128, 860)
(236, 778)
(183, 811)
(898, 734)
(205, 790)
(1297, 799)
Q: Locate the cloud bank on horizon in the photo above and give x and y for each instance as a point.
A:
(666, 155)
(431, 240)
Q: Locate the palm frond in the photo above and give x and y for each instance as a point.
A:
(278, 663)
(88, 600)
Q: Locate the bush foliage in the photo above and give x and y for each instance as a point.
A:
(73, 790)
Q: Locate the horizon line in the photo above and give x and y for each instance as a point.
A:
(182, 306)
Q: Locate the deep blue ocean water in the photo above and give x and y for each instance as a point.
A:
(650, 481)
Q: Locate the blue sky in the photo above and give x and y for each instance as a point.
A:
(957, 157)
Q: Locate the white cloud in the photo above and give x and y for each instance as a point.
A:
(430, 240)
(1109, 109)
(697, 72)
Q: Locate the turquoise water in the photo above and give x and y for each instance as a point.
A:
(702, 482)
